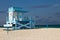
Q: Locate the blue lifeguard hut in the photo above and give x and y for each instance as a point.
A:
(17, 20)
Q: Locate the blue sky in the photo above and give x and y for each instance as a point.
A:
(45, 9)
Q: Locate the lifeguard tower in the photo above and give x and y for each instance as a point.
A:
(17, 20)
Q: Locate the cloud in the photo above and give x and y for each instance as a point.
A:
(45, 6)
(3, 11)
(56, 5)
(41, 6)
(57, 14)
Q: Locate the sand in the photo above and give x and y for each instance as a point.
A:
(31, 34)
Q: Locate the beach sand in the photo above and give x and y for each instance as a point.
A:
(31, 34)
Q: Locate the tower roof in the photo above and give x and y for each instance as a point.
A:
(16, 9)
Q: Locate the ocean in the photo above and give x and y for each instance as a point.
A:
(47, 26)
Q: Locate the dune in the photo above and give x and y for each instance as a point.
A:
(31, 34)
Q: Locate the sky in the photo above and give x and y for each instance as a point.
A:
(44, 11)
